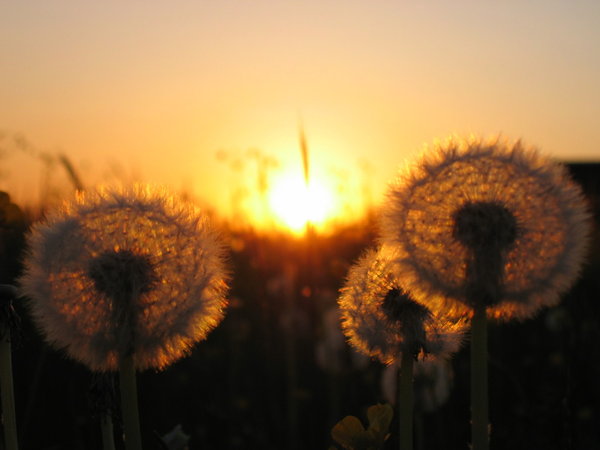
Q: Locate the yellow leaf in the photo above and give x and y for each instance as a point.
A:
(380, 417)
(349, 433)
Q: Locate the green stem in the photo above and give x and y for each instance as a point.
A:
(479, 381)
(129, 403)
(7, 392)
(108, 437)
(405, 401)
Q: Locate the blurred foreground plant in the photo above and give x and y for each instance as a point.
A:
(125, 279)
(175, 439)
(352, 435)
(8, 318)
(12, 228)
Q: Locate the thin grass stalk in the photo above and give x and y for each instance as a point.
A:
(108, 436)
(479, 381)
(292, 381)
(405, 401)
(73, 176)
(129, 403)
(304, 153)
(7, 392)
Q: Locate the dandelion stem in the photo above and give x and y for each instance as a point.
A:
(479, 380)
(405, 401)
(129, 403)
(7, 392)
(108, 439)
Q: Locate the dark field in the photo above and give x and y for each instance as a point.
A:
(275, 374)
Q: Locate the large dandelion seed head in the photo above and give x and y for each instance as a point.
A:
(382, 320)
(125, 271)
(499, 213)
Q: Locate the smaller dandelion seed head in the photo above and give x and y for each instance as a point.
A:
(122, 273)
(480, 225)
(381, 319)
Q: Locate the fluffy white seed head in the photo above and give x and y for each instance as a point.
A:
(485, 184)
(381, 319)
(119, 271)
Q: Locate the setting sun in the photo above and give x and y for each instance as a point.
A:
(295, 204)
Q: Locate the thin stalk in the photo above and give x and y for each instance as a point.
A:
(479, 381)
(129, 403)
(8, 397)
(292, 385)
(405, 401)
(108, 437)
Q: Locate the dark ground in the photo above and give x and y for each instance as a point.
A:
(257, 382)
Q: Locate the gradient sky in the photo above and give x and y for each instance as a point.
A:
(180, 92)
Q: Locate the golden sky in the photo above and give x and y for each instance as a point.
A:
(200, 94)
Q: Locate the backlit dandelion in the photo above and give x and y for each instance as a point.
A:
(500, 214)
(119, 272)
(125, 279)
(382, 320)
(490, 229)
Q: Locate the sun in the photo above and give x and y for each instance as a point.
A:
(294, 204)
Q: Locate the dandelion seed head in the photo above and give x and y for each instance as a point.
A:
(125, 270)
(382, 320)
(465, 198)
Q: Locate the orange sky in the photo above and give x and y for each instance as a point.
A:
(154, 91)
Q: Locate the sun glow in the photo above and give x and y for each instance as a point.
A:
(294, 204)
